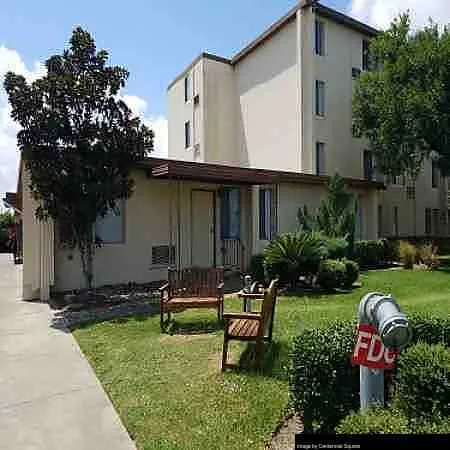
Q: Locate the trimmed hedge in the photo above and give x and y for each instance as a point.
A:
(331, 274)
(351, 273)
(374, 253)
(377, 421)
(335, 274)
(422, 384)
(324, 386)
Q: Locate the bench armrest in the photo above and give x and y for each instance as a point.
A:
(230, 316)
(259, 296)
(164, 287)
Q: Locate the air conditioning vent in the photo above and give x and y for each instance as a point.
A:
(163, 255)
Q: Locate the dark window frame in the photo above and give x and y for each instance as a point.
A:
(226, 211)
(320, 100)
(187, 134)
(320, 158)
(267, 231)
(319, 37)
(428, 221)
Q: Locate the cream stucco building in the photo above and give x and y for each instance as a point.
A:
(251, 139)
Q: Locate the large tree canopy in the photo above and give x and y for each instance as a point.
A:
(402, 106)
(78, 139)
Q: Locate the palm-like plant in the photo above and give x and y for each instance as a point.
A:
(292, 255)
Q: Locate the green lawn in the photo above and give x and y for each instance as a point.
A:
(170, 393)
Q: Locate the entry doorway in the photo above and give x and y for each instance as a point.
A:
(203, 229)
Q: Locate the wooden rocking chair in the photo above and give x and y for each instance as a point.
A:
(251, 327)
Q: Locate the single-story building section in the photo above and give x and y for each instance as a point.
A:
(181, 214)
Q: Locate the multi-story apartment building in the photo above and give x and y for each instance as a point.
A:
(284, 102)
(251, 139)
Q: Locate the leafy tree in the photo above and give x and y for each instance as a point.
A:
(336, 215)
(402, 107)
(78, 140)
(6, 219)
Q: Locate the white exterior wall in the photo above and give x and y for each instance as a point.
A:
(268, 124)
(181, 112)
(154, 215)
(38, 248)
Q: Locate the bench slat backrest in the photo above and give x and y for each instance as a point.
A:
(268, 308)
(195, 282)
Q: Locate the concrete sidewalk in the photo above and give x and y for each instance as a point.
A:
(50, 398)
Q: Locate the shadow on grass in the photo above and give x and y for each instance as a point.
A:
(68, 323)
(273, 364)
(317, 293)
(198, 326)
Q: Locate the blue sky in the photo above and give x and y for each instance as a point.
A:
(155, 40)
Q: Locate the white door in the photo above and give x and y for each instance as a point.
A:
(203, 229)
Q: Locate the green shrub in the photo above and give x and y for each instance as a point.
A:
(391, 250)
(324, 385)
(371, 253)
(336, 247)
(292, 255)
(331, 274)
(408, 254)
(422, 383)
(434, 425)
(376, 421)
(257, 267)
(428, 255)
(430, 329)
(351, 273)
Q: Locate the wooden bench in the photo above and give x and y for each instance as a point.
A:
(256, 327)
(193, 287)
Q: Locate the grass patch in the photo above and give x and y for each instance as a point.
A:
(170, 393)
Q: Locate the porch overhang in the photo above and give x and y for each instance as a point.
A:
(223, 174)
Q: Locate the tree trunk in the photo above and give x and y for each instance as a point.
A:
(86, 249)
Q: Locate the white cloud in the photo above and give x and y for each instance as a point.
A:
(379, 13)
(157, 123)
(10, 60)
(9, 155)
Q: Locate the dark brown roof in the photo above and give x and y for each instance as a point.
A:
(218, 173)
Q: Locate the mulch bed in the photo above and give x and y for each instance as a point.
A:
(105, 303)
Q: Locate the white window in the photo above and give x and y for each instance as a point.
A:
(320, 158)
(187, 134)
(320, 98)
(187, 88)
(111, 228)
(319, 37)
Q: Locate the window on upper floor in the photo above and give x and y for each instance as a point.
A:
(380, 220)
(368, 165)
(111, 228)
(427, 220)
(187, 88)
(320, 98)
(365, 55)
(187, 134)
(395, 227)
(320, 158)
(436, 217)
(230, 213)
(267, 213)
(319, 37)
(434, 174)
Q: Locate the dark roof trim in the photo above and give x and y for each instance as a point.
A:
(344, 19)
(218, 173)
(322, 10)
(196, 60)
(287, 18)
